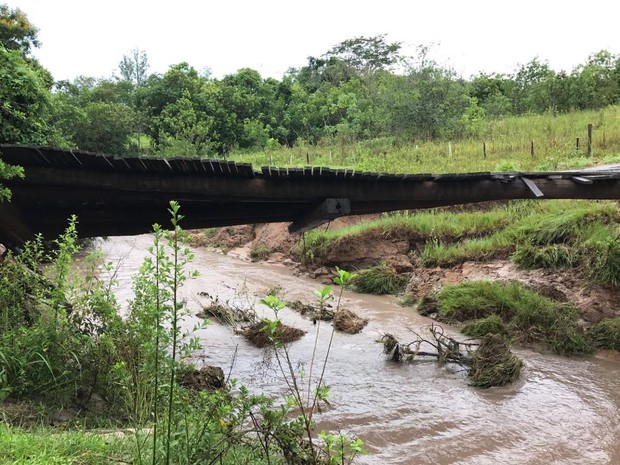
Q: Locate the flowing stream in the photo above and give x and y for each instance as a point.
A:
(562, 411)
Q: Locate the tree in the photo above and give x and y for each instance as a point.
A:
(134, 67)
(16, 31)
(105, 127)
(24, 101)
(368, 54)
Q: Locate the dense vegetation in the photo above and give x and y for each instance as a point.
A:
(362, 89)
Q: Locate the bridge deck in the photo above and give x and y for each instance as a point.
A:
(125, 195)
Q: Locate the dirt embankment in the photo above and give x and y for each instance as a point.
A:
(273, 243)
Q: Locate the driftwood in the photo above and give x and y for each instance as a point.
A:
(488, 362)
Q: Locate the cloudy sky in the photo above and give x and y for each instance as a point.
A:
(89, 37)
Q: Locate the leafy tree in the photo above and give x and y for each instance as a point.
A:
(368, 54)
(24, 101)
(134, 67)
(104, 127)
(16, 31)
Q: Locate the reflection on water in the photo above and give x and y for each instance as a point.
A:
(562, 411)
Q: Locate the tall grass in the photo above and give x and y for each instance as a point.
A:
(508, 144)
(527, 316)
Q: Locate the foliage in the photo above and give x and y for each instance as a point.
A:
(491, 324)
(16, 31)
(295, 437)
(134, 67)
(548, 256)
(606, 334)
(50, 348)
(24, 101)
(528, 316)
(379, 280)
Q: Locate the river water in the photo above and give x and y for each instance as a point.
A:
(562, 411)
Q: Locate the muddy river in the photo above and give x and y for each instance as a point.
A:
(562, 411)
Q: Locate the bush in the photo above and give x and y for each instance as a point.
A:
(379, 280)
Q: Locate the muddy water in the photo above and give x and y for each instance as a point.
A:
(563, 411)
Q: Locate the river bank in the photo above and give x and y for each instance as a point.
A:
(407, 414)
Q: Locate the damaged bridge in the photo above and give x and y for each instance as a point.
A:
(114, 195)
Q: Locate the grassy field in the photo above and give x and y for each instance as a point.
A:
(508, 148)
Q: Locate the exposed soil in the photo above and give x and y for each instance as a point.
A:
(208, 378)
(393, 247)
(348, 322)
(257, 336)
(595, 302)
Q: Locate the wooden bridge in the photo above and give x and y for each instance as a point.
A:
(126, 195)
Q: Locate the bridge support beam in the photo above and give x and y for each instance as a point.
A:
(327, 211)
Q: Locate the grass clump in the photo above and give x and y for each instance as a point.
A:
(606, 334)
(550, 256)
(379, 280)
(260, 252)
(492, 324)
(602, 254)
(528, 316)
(493, 364)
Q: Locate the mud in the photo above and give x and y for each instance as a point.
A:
(207, 378)
(283, 334)
(348, 322)
(561, 411)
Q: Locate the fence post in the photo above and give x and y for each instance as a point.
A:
(484, 149)
(577, 145)
(532, 149)
(307, 158)
(590, 140)
(450, 149)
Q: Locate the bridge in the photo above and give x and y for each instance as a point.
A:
(114, 195)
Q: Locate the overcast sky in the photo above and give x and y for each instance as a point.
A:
(89, 37)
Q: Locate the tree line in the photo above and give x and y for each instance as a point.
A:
(362, 88)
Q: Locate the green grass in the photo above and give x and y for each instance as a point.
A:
(535, 234)
(527, 316)
(606, 334)
(46, 446)
(507, 140)
(491, 324)
(379, 280)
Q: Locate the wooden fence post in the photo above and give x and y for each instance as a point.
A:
(307, 158)
(577, 145)
(484, 149)
(590, 140)
(532, 149)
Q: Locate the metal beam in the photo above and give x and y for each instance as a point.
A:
(327, 211)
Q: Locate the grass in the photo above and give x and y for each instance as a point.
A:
(508, 142)
(379, 280)
(525, 315)
(606, 334)
(47, 446)
(536, 234)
